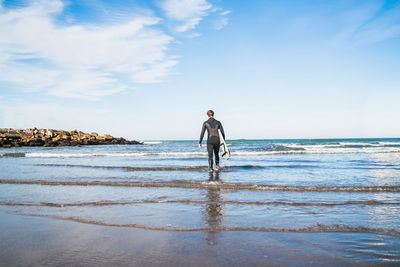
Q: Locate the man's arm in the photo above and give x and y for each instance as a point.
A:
(222, 131)
(202, 133)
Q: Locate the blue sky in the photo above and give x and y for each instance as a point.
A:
(151, 69)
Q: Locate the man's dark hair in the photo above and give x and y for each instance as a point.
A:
(210, 113)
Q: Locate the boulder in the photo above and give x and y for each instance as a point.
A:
(66, 137)
(107, 137)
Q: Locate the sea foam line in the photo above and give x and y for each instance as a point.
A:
(317, 228)
(202, 154)
(190, 201)
(220, 185)
(160, 168)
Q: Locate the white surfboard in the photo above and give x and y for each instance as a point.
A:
(225, 149)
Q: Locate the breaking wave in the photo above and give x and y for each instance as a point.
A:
(280, 148)
(391, 149)
(153, 142)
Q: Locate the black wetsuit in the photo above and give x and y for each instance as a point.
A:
(213, 142)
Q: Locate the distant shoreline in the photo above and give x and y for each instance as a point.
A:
(51, 138)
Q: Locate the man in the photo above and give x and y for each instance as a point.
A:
(213, 142)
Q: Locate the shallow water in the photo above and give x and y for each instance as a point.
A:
(297, 186)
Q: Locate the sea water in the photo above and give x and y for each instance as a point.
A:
(343, 186)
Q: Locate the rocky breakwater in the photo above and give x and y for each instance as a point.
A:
(51, 138)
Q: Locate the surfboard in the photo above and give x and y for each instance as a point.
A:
(225, 149)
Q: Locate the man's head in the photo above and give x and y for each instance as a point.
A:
(210, 113)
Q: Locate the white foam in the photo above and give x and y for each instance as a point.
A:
(79, 155)
(137, 154)
(307, 150)
(211, 183)
(389, 143)
(182, 154)
(152, 142)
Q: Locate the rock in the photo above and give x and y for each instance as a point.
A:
(63, 143)
(49, 133)
(50, 138)
(107, 137)
(66, 137)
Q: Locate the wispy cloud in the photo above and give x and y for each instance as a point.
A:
(188, 13)
(222, 20)
(368, 22)
(380, 28)
(226, 12)
(79, 61)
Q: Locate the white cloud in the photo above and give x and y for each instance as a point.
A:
(95, 85)
(79, 61)
(226, 12)
(188, 12)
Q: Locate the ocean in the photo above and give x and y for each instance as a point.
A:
(343, 192)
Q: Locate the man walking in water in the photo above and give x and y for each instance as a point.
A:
(213, 142)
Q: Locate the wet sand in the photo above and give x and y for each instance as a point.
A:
(40, 241)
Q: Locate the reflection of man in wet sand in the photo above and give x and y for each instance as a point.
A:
(214, 176)
(214, 210)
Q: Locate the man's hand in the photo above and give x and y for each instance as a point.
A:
(200, 145)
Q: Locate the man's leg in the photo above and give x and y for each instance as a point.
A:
(216, 152)
(210, 156)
